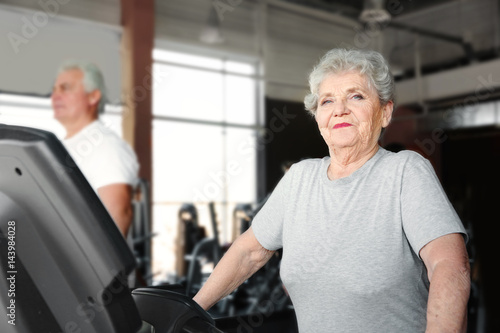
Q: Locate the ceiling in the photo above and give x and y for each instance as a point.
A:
(353, 8)
(444, 33)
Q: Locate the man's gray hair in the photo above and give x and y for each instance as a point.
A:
(369, 63)
(92, 78)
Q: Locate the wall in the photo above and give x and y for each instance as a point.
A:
(39, 37)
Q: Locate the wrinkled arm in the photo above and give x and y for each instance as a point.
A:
(117, 198)
(448, 270)
(243, 258)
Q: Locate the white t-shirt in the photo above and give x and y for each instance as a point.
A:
(102, 156)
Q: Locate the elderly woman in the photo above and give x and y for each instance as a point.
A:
(370, 241)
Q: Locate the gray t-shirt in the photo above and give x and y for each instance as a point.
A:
(350, 246)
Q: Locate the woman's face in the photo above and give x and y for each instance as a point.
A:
(349, 114)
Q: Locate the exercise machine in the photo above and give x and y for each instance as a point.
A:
(140, 235)
(64, 264)
(188, 235)
(249, 297)
(206, 250)
(242, 218)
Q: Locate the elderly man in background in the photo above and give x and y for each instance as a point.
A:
(108, 162)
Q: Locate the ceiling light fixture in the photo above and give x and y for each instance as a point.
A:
(211, 33)
(374, 12)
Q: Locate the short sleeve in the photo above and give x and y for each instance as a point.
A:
(113, 163)
(268, 223)
(427, 213)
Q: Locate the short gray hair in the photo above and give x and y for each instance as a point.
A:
(92, 78)
(369, 63)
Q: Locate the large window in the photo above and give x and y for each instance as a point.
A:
(204, 134)
(204, 141)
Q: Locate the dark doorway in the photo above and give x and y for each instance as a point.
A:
(471, 166)
(291, 135)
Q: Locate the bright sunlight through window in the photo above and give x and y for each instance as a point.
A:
(204, 133)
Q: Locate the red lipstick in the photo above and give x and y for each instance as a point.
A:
(341, 125)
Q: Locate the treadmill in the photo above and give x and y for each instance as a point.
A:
(63, 262)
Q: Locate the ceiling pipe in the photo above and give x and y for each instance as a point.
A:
(418, 71)
(467, 47)
(356, 25)
(315, 13)
(374, 12)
